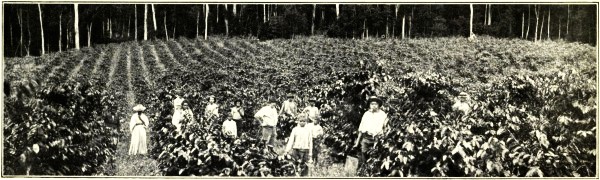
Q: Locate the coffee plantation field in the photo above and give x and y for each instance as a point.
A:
(534, 106)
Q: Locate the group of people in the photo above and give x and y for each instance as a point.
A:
(305, 138)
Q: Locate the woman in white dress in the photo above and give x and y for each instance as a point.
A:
(177, 111)
(212, 109)
(137, 126)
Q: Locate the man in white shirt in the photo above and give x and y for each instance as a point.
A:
(229, 127)
(312, 111)
(300, 143)
(373, 123)
(268, 121)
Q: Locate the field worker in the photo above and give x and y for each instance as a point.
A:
(462, 103)
(229, 127)
(187, 114)
(237, 112)
(212, 109)
(373, 123)
(300, 143)
(312, 111)
(289, 107)
(137, 126)
(177, 110)
(317, 132)
(267, 116)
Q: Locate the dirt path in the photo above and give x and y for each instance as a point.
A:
(114, 62)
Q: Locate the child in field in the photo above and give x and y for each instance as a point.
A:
(311, 110)
(317, 132)
(229, 127)
(300, 143)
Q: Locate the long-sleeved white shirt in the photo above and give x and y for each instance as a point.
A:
(316, 129)
(313, 112)
(268, 115)
(373, 122)
(212, 110)
(300, 138)
(229, 127)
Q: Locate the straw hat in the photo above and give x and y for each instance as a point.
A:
(375, 99)
(139, 107)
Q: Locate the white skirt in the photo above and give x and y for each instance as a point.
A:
(176, 119)
(138, 141)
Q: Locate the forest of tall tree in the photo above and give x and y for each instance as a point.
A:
(34, 29)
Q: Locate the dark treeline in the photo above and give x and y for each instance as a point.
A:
(104, 23)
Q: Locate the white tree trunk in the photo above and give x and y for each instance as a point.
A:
(154, 16)
(89, 35)
(559, 27)
(110, 34)
(489, 21)
(471, 22)
(226, 21)
(548, 24)
(76, 26)
(485, 15)
(542, 25)
(522, 25)
(206, 22)
(337, 11)
(234, 10)
(135, 22)
(145, 22)
(403, 26)
(165, 23)
(217, 14)
(528, 21)
(264, 13)
(59, 33)
(68, 38)
(537, 19)
(42, 28)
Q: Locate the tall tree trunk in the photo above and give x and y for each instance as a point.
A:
(59, 33)
(485, 15)
(387, 33)
(76, 26)
(89, 36)
(20, 19)
(528, 21)
(403, 25)
(537, 19)
(198, 23)
(489, 21)
(471, 21)
(128, 26)
(337, 11)
(153, 16)
(234, 10)
(41, 28)
(542, 25)
(135, 20)
(206, 22)
(522, 25)
(264, 13)
(226, 21)
(145, 22)
(110, 34)
(165, 23)
(217, 14)
(68, 38)
(548, 23)
(395, 20)
(312, 27)
(559, 27)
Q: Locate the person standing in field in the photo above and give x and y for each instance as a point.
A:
(237, 112)
(300, 143)
(373, 123)
(212, 109)
(177, 110)
(317, 133)
(462, 103)
(267, 116)
(229, 128)
(289, 110)
(187, 116)
(311, 110)
(138, 126)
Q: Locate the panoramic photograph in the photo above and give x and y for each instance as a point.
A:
(330, 89)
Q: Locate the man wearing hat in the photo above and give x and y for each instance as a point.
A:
(373, 123)
(137, 126)
(268, 121)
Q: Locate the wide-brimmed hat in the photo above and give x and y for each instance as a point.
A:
(139, 107)
(375, 99)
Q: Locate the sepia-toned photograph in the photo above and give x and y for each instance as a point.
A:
(299, 89)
